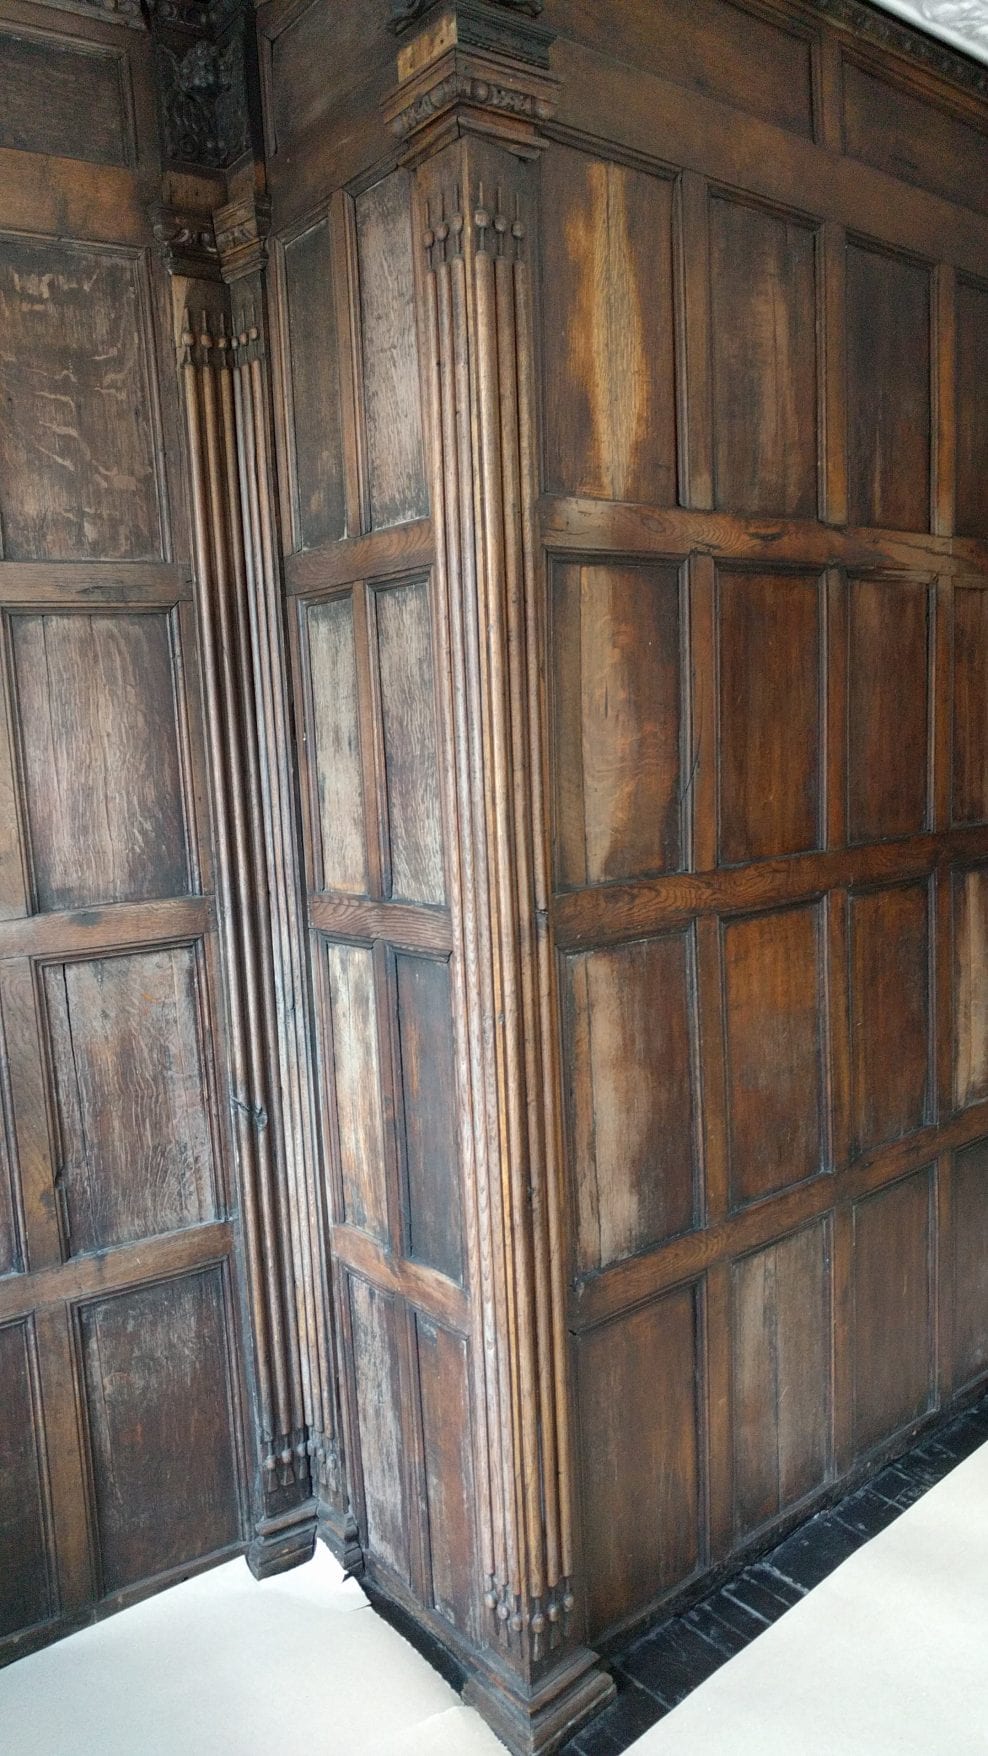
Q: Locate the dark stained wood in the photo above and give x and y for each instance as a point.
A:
(970, 996)
(430, 1158)
(968, 1240)
(408, 722)
(888, 668)
(314, 387)
(888, 367)
(900, 132)
(969, 793)
(972, 407)
(448, 1446)
(889, 993)
(389, 354)
(892, 1344)
(69, 100)
(26, 1581)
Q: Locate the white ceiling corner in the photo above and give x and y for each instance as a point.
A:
(962, 23)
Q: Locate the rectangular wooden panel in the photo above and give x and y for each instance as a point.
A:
(640, 1472)
(27, 1593)
(897, 131)
(11, 1257)
(888, 730)
(130, 1091)
(339, 799)
(888, 379)
(771, 709)
(408, 714)
(630, 1096)
(609, 345)
(763, 315)
(774, 1044)
(448, 1452)
(160, 1400)
(77, 433)
(357, 1086)
(314, 383)
(373, 1319)
(67, 99)
(389, 351)
(430, 1156)
(780, 1316)
(969, 1243)
(889, 975)
(972, 408)
(617, 692)
(891, 1334)
(970, 699)
(970, 965)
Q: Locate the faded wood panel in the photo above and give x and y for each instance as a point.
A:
(408, 717)
(449, 1472)
(770, 714)
(96, 715)
(336, 760)
(27, 1594)
(617, 692)
(773, 1034)
(373, 1319)
(389, 352)
(888, 378)
(890, 1332)
(158, 1378)
(969, 1244)
(77, 434)
(130, 1089)
(357, 1087)
(763, 316)
(781, 1373)
(314, 380)
(66, 99)
(889, 1015)
(11, 1243)
(630, 1097)
(920, 142)
(609, 344)
(888, 722)
(970, 969)
(972, 408)
(430, 1156)
(640, 1473)
(970, 701)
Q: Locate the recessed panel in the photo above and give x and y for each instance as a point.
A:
(637, 1394)
(356, 1058)
(889, 127)
(773, 994)
(971, 986)
(629, 1084)
(130, 1094)
(970, 715)
(10, 1244)
(610, 392)
(889, 941)
(969, 1215)
(891, 1339)
(392, 393)
(448, 1451)
(888, 708)
(64, 99)
(408, 714)
(77, 431)
(373, 1318)
(972, 408)
(618, 703)
(156, 1365)
(336, 757)
(888, 378)
(763, 317)
(26, 1585)
(102, 781)
(429, 1115)
(314, 370)
(781, 1341)
(770, 712)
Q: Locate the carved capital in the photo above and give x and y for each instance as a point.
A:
(472, 70)
(185, 241)
(241, 230)
(410, 12)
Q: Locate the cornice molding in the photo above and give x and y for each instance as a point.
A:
(411, 12)
(896, 37)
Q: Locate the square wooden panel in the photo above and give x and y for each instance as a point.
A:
(617, 668)
(27, 1584)
(780, 1327)
(891, 1336)
(99, 733)
(972, 408)
(637, 1399)
(888, 387)
(890, 1013)
(774, 1046)
(313, 355)
(389, 353)
(970, 972)
(969, 791)
(763, 321)
(968, 1340)
(608, 338)
(430, 1158)
(408, 724)
(902, 133)
(131, 1095)
(68, 99)
(888, 735)
(374, 1319)
(771, 682)
(335, 775)
(630, 1096)
(79, 439)
(357, 1099)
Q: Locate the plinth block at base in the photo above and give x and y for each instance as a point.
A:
(536, 1722)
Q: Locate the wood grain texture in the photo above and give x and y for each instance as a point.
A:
(900, 132)
(70, 100)
(889, 629)
(27, 1592)
(889, 965)
(968, 1241)
(389, 352)
(972, 407)
(314, 387)
(969, 792)
(888, 367)
(408, 724)
(357, 1086)
(891, 1334)
(336, 755)
(430, 1156)
(378, 1400)
(448, 1452)
(970, 986)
